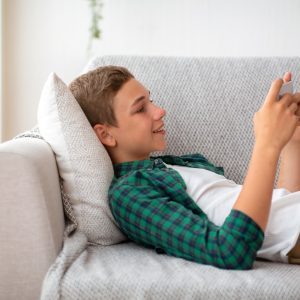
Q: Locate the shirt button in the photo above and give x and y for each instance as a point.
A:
(157, 161)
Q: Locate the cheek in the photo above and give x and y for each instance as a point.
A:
(141, 124)
(140, 127)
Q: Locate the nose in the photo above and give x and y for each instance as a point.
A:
(159, 112)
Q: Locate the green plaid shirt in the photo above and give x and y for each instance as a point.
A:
(151, 206)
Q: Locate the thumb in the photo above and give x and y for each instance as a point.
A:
(274, 90)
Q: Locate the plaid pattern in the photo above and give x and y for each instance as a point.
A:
(150, 204)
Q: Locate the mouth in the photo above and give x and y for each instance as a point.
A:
(160, 130)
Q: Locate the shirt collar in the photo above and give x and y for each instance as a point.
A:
(126, 167)
(189, 160)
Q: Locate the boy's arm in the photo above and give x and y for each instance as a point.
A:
(255, 197)
(289, 175)
(274, 125)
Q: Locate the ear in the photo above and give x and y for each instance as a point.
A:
(103, 133)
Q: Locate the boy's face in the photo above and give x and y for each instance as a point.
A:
(140, 127)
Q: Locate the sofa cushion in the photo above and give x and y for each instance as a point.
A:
(83, 162)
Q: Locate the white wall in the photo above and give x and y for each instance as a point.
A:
(1, 71)
(203, 27)
(42, 36)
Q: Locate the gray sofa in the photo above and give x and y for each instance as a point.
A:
(210, 104)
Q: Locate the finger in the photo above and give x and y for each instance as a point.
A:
(272, 95)
(298, 111)
(288, 99)
(287, 77)
(297, 98)
(293, 107)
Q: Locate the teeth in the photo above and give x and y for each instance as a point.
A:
(155, 131)
(158, 130)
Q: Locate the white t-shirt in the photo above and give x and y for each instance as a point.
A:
(216, 195)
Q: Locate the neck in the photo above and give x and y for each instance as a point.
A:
(118, 158)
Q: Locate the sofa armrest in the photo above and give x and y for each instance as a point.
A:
(31, 216)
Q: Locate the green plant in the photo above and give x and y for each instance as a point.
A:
(96, 16)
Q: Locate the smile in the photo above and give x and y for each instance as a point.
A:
(160, 129)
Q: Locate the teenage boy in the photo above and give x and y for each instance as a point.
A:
(162, 202)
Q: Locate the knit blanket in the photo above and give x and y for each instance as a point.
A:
(128, 271)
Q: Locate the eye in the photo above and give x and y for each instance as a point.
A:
(142, 109)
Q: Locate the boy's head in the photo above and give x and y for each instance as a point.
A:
(95, 91)
(121, 112)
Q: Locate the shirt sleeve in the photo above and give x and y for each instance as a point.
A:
(151, 219)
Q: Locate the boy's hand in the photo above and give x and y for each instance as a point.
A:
(296, 136)
(276, 121)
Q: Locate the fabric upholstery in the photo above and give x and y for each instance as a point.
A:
(31, 217)
(210, 101)
(129, 271)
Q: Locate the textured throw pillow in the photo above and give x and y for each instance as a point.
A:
(83, 162)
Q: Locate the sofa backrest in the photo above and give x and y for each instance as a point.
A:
(210, 102)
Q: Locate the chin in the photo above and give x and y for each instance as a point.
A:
(161, 147)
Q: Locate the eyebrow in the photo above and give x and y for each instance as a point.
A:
(139, 99)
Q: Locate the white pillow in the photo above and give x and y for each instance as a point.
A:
(82, 160)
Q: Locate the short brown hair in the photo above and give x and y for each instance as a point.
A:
(95, 92)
